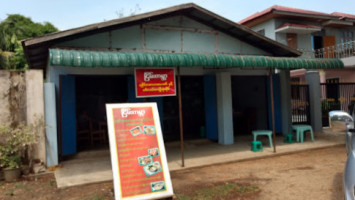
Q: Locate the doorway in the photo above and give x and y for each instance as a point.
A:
(92, 93)
(193, 111)
(249, 101)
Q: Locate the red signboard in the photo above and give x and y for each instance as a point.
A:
(155, 82)
(138, 156)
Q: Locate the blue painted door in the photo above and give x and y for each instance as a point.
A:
(68, 116)
(209, 84)
(277, 103)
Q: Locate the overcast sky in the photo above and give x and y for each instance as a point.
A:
(67, 14)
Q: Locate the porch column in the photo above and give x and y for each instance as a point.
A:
(285, 90)
(313, 80)
(51, 124)
(322, 75)
(224, 108)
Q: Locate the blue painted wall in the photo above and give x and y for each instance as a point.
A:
(211, 127)
(51, 124)
(68, 115)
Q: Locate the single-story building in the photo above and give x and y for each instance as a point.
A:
(224, 71)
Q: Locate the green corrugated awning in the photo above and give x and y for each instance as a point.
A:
(80, 58)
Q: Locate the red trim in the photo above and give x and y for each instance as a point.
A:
(292, 10)
(343, 15)
(299, 25)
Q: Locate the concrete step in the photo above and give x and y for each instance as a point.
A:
(92, 154)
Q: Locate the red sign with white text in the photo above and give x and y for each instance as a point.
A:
(155, 82)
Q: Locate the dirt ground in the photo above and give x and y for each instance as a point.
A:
(315, 174)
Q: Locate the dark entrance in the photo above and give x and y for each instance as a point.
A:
(92, 93)
(192, 109)
(249, 104)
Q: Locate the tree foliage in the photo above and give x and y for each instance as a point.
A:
(14, 29)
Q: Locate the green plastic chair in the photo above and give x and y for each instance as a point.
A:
(301, 130)
(256, 146)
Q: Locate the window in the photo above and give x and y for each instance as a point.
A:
(346, 39)
(347, 36)
(262, 32)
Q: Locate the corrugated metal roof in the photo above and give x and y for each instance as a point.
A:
(76, 58)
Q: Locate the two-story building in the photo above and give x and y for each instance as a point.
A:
(315, 34)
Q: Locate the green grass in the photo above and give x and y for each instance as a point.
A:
(52, 182)
(97, 197)
(10, 192)
(219, 192)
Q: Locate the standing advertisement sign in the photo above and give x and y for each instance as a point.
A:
(139, 164)
(155, 82)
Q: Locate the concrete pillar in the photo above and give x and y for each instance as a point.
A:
(286, 110)
(322, 76)
(312, 79)
(224, 108)
(51, 124)
(35, 109)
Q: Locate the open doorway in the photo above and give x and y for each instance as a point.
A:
(250, 109)
(92, 93)
(192, 109)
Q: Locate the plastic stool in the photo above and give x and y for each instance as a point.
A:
(301, 130)
(256, 146)
(288, 138)
(263, 132)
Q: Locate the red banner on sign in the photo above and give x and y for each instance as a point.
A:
(155, 82)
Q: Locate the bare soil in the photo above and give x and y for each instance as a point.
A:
(315, 174)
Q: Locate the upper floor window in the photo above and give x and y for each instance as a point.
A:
(347, 36)
(262, 32)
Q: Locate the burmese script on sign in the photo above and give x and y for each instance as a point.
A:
(155, 82)
(156, 87)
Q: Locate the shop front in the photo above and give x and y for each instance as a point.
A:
(224, 70)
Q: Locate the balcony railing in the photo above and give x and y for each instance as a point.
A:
(342, 50)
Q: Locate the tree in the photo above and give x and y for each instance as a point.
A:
(14, 29)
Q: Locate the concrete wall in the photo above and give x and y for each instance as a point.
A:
(304, 41)
(344, 76)
(5, 84)
(269, 28)
(21, 101)
(349, 62)
(35, 108)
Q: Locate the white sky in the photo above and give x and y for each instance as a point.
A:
(66, 14)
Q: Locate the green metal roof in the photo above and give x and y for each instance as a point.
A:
(79, 58)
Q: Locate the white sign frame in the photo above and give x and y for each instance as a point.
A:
(113, 150)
